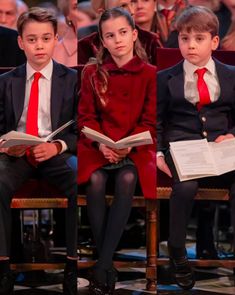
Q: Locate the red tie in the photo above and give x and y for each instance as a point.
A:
(32, 114)
(204, 96)
(165, 12)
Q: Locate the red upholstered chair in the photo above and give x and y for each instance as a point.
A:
(167, 58)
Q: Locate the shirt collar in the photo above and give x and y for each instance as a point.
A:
(190, 68)
(46, 71)
(161, 7)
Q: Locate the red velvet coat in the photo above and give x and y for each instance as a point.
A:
(130, 109)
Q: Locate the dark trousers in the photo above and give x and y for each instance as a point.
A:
(59, 172)
(182, 200)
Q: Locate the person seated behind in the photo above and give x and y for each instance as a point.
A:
(184, 113)
(37, 98)
(10, 53)
(167, 13)
(86, 15)
(88, 46)
(65, 51)
(8, 13)
(145, 14)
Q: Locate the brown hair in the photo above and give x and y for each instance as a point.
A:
(103, 52)
(37, 14)
(199, 19)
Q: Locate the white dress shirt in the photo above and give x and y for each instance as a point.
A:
(44, 104)
(190, 81)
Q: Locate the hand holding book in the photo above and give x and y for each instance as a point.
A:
(14, 138)
(138, 139)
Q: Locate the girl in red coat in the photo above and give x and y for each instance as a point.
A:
(118, 99)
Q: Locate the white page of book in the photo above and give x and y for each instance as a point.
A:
(193, 157)
(224, 155)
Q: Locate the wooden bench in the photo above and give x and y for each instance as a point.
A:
(38, 195)
(212, 194)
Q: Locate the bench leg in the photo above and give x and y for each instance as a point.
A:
(151, 245)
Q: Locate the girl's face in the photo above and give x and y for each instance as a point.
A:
(119, 37)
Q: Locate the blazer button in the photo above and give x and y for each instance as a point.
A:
(204, 133)
(203, 119)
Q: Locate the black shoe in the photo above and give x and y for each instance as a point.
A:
(182, 272)
(98, 278)
(70, 282)
(96, 288)
(112, 277)
(7, 281)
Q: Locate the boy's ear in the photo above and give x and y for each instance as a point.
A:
(215, 42)
(20, 42)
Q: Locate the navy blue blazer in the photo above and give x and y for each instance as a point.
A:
(178, 119)
(64, 101)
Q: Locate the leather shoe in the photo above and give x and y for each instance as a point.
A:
(7, 281)
(96, 288)
(182, 272)
(70, 282)
(112, 277)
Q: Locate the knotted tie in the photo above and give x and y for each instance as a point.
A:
(32, 114)
(204, 96)
(165, 12)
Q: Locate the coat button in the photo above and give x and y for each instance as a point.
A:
(204, 133)
(203, 119)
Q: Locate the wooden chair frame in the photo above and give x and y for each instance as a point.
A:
(39, 199)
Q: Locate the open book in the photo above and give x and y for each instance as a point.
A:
(13, 138)
(129, 141)
(200, 158)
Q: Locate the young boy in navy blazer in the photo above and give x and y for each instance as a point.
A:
(47, 91)
(193, 106)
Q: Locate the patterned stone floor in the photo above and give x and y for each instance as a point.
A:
(131, 281)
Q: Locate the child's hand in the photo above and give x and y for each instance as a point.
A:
(162, 165)
(110, 154)
(224, 137)
(44, 151)
(15, 151)
(122, 152)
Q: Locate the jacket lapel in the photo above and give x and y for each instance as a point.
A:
(18, 92)
(225, 77)
(176, 82)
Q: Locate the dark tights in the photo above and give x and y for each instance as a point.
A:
(108, 228)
